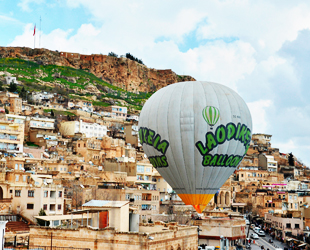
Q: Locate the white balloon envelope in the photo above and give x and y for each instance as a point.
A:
(195, 134)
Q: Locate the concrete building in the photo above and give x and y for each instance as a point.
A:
(145, 202)
(10, 79)
(83, 105)
(282, 226)
(117, 112)
(11, 101)
(88, 129)
(214, 230)
(30, 193)
(40, 97)
(11, 135)
(162, 186)
(267, 162)
(41, 124)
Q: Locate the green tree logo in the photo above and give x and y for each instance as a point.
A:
(211, 115)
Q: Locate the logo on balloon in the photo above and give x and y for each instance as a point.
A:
(211, 115)
(222, 134)
(151, 138)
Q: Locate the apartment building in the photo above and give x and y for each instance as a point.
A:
(90, 149)
(30, 193)
(11, 101)
(88, 129)
(39, 123)
(145, 202)
(83, 105)
(267, 162)
(40, 97)
(117, 112)
(11, 135)
(145, 176)
(162, 186)
(283, 226)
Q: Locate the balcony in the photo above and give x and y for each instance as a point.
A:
(41, 126)
(10, 131)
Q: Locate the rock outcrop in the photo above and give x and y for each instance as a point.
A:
(121, 72)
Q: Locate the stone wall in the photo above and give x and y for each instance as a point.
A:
(173, 237)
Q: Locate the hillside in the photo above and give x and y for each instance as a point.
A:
(69, 82)
(121, 72)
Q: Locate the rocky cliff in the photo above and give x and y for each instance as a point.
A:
(121, 72)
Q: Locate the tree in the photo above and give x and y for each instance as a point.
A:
(131, 57)
(112, 54)
(13, 87)
(42, 222)
(52, 113)
(291, 160)
(6, 111)
(23, 93)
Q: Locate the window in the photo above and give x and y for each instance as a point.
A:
(11, 191)
(45, 194)
(60, 194)
(16, 166)
(44, 207)
(140, 169)
(20, 166)
(17, 178)
(24, 178)
(288, 225)
(127, 196)
(296, 225)
(59, 206)
(30, 193)
(30, 205)
(17, 193)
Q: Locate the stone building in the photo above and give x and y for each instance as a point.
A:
(152, 236)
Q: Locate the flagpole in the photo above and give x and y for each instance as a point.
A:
(40, 34)
(34, 36)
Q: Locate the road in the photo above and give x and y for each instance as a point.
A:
(263, 241)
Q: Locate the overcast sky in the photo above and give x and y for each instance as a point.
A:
(261, 49)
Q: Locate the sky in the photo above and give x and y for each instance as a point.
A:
(261, 49)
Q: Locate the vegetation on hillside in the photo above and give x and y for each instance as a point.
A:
(66, 81)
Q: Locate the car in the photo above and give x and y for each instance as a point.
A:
(254, 236)
(261, 233)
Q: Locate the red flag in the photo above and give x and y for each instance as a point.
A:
(34, 30)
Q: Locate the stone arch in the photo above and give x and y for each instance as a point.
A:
(227, 199)
(216, 198)
(1, 193)
(222, 198)
(179, 247)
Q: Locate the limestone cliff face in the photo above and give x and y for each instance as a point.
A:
(121, 72)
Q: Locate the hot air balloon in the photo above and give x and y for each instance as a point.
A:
(195, 134)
